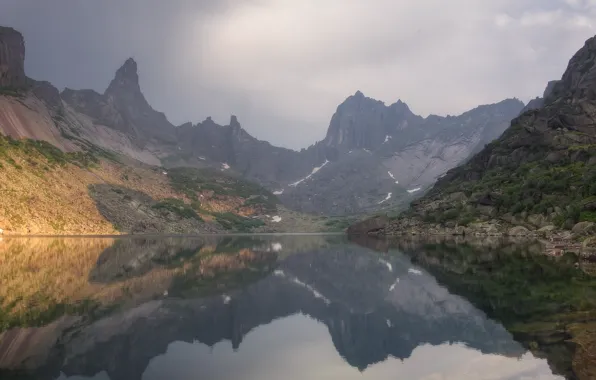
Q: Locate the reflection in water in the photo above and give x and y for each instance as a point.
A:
(253, 307)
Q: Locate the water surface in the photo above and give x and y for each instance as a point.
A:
(292, 307)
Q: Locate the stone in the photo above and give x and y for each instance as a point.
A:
(584, 228)
(368, 226)
(518, 231)
(547, 229)
(538, 220)
(12, 59)
(589, 242)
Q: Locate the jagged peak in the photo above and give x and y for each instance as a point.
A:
(12, 58)
(234, 121)
(579, 79)
(126, 78)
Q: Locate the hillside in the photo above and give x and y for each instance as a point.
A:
(46, 191)
(538, 177)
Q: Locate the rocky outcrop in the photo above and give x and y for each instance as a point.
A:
(12, 59)
(368, 226)
(124, 108)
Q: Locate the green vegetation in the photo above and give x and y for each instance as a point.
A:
(178, 207)
(11, 91)
(566, 190)
(339, 224)
(191, 181)
(54, 156)
(235, 222)
(35, 316)
(557, 304)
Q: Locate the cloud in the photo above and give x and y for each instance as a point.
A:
(283, 66)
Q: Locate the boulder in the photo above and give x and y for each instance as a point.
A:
(547, 229)
(368, 226)
(519, 231)
(538, 220)
(584, 228)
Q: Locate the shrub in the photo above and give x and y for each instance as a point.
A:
(178, 207)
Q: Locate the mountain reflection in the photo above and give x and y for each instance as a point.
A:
(149, 308)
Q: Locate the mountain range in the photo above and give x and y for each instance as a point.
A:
(374, 157)
(537, 178)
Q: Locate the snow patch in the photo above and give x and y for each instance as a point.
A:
(414, 190)
(394, 284)
(386, 199)
(367, 151)
(276, 219)
(393, 177)
(388, 323)
(387, 264)
(225, 166)
(316, 169)
(281, 273)
(202, 158)
(414, 271)
(387, 138)
(279, 192)
(276, 247)
(165, 173)
(312, 290)
(226, 299)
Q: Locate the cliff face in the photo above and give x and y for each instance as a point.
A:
(12, 59)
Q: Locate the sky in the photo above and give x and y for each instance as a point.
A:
(283, 66)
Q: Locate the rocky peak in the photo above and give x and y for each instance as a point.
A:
(126, 80)
(363, 122)
(234, 122)
(579, 80)
(12, 58)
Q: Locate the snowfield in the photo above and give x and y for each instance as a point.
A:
(314, 171)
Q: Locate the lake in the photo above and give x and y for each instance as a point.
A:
(292, 307)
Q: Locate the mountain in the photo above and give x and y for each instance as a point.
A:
(539, 176)
(374, 157)
(385, 155)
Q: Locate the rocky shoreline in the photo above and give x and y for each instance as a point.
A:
(581, 239)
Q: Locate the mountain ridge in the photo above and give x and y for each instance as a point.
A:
(400, 151)
(536, 179)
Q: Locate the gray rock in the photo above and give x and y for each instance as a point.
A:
(518, 231)
(584, 228)
(12, 59)
(368, 226)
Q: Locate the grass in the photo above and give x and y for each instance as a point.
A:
(191, 181)
(178, 207)
(231, 221)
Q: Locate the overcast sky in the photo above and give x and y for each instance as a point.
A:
(283, 66)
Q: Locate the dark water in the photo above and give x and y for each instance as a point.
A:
(290, 307)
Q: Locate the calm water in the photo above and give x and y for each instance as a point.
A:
(290, 307)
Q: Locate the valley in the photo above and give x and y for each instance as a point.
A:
(375, 158)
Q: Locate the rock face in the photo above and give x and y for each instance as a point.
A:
(539, 172)
(123, 107)
(12, 59)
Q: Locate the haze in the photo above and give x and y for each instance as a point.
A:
(283, 66)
